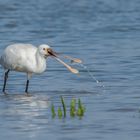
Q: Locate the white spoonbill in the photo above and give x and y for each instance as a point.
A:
(29, 59)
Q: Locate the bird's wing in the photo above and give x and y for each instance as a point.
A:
(18, 57)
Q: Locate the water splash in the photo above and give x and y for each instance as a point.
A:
(91, 75)
(79, 62)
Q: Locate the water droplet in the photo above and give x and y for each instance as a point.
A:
(91, 75)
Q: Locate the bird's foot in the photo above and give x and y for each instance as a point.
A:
(28, 94)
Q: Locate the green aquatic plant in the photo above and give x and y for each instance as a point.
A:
(79, 112)
(76, 109)
(81, 108)
(73, 108)
(64, 106)
(53, 111)
(60, 114)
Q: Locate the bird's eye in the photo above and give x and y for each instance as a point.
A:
(44, 49)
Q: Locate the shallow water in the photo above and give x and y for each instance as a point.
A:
(105, 35)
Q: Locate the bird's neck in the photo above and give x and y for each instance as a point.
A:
(40, 63)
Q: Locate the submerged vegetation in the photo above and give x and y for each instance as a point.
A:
(53, 111)
(76, 109)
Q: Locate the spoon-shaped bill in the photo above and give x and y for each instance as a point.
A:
(67, 66)
(76, 60)
(73, 60)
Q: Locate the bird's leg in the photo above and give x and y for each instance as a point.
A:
(27, 84)
(5, 79)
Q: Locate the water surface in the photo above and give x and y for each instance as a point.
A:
(105, 34)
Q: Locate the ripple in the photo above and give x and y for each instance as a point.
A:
(124, 110)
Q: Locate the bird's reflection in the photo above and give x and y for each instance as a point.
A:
(23, 113)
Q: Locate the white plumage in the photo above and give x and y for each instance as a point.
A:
(25, 58)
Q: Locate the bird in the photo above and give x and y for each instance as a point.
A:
(29, 59)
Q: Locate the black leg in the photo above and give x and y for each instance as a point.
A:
(27, 84)
(5, 79)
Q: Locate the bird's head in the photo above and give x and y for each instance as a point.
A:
(45, 50)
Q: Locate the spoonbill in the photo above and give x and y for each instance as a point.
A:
(29, 59)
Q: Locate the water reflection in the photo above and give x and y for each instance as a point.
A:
(23, 113)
